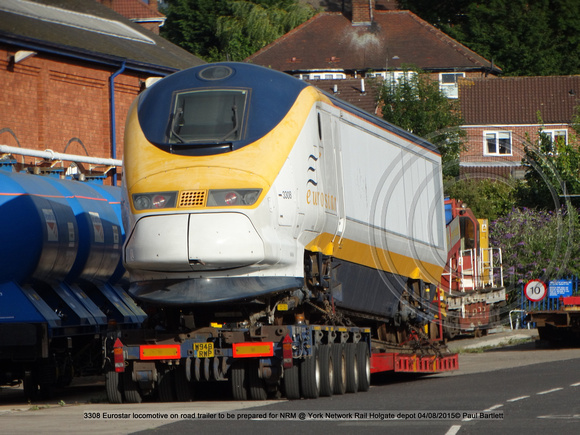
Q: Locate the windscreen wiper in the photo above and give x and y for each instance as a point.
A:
(233, 130)
(177, 118)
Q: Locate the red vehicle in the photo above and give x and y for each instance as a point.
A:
(472, 281)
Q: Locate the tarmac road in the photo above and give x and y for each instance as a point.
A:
(71, 410)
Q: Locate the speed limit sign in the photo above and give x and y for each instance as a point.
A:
(535, 290)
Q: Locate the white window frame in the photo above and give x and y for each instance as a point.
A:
(450, 89)
(322, 76)
(498, 135)
(555, 133)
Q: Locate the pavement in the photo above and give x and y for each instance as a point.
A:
(496, 338)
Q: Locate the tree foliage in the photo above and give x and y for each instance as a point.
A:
(537, 244)
(416, 104)
(218, 30)
(552, 173)
(523, 37)
(487, 198)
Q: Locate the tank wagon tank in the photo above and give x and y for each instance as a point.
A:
(285, 240)
(59, 279)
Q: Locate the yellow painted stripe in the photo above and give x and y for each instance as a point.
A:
(376, 258)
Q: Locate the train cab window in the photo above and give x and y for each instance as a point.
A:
(208, 116)
(468, 233)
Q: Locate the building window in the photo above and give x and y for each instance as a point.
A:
(322, 76)
(448, 84)
(557, 135)
(497, 143)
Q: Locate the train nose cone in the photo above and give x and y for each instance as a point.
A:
(180, 243)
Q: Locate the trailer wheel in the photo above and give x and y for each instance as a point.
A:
(30, 385)
(239, 381)
(257, 386)
(310, 375)
(166, 387)
(339, 368)
(364, 366)
(292, 382)
(131, 389)
(326, 370)
(113, 387)
(351, 368)
(182, 386)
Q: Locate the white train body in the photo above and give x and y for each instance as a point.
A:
(320, 177)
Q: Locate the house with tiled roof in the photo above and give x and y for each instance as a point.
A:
(70, 69)
(145, 13)
(503, 115)
(365, 42)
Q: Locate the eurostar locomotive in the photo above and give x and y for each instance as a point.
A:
(252, 196)
(279, 238)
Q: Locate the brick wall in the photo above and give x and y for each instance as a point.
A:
(48, 103)
(361, 11)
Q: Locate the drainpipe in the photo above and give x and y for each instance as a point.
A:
(112, 114)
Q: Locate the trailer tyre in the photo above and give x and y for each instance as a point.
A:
(364, 366)
(166, 387)
(131, 389)
(182, 386)
(351, 368)
(239, 381)
(339, 368)
(292, 382)
(326, 370)
(310, 375)
(30, 385)
(257, 384)
(113, 387)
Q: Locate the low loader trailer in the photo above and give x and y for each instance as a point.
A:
(297, 361)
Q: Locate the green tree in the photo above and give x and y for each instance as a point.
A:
(523, 37)
(552, 173)
(416, 104)
(218, 30)
(537, 244)
(487, 198)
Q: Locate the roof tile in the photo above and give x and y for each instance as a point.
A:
(517, 100)
(395, 39)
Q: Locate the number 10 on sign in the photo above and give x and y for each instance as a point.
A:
(535, 290)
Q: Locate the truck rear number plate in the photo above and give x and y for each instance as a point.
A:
(203, 350)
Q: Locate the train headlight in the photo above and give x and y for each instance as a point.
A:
(231, 197)
(156, 200)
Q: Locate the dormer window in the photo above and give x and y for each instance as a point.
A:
(448, 84)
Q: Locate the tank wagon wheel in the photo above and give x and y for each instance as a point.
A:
(326, 370)
(113, 387)
(257, 386)
(351, 368)
(339, 368)
(131, 389)
(363, 366)
(239, 381)
(183, 391)
(292, 382)
(166, 386)
(310, 375)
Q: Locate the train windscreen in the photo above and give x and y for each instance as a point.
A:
(203, 116)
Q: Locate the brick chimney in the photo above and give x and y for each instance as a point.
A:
(362, 12)
(153, 5)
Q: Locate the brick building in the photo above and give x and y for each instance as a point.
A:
(143, 12)
(340, 51)
(502, 115)
(69, 70)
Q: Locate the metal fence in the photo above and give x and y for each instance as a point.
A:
(517, 315)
